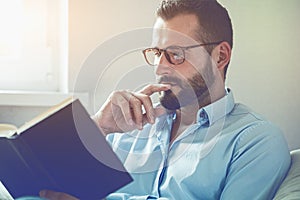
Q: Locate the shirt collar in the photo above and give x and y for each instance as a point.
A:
(213, 112)
(207, 115)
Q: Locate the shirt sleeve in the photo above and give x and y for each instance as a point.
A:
(259, 164)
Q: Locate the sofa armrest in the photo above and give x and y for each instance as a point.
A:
(290, 187)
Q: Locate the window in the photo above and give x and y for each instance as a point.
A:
(33, 45)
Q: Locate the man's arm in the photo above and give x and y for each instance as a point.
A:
(259, 165)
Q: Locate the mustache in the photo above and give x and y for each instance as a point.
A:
(169, 79)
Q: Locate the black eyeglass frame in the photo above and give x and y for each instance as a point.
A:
(180, 47)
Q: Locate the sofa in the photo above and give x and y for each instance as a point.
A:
(290, 188)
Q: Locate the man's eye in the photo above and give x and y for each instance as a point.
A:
(157, 53)
(175, 55)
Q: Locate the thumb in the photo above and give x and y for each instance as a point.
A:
(52, 195)
(159, 111)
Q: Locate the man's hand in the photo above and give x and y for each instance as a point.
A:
(52, 195)
(123, 110)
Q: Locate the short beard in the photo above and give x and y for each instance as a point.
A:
(194, 90)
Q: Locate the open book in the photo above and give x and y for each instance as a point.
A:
(61, 150)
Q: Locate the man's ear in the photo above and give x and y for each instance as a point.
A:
(221, 55)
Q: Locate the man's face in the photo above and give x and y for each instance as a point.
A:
(190, 81)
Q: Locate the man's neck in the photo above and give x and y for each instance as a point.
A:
(187, 115)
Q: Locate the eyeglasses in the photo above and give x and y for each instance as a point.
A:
(174, 54)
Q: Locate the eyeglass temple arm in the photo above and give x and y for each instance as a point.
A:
(199, 45)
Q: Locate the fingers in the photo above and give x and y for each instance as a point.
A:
(131, 106)
(125, 111)
(121, 100)
(143, 99)
(158, 111)
(147, 104)
(153, 88)
(51, 195)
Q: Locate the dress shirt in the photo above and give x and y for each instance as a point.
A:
(229, 153)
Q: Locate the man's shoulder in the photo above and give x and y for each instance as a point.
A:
(245, 116)
(252, 126)
(245, 111)
(247, 121)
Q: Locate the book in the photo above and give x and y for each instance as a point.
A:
(61, 150)
(10, 130)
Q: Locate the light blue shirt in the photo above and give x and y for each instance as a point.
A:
(230, 153)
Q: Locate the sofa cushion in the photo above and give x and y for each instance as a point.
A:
(290, 188)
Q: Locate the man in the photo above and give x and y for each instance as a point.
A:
(197, 143)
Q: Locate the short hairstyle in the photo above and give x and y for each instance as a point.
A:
(214, 21)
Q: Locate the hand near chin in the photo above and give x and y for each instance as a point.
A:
(126, 111)
(52, 195)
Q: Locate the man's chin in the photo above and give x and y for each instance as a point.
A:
(171, 107)
(169, 101)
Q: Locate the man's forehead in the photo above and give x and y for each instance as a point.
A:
(171, 32)
(167, 37)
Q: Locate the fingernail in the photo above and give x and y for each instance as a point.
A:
(167, 86)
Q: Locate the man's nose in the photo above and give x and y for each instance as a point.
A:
(164, 66)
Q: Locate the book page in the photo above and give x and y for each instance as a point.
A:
(4, 194)
(7, 131)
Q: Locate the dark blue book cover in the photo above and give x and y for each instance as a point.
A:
(65, 152)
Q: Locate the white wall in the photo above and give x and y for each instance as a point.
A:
(264, 69)
(264, 72)
(92, 22)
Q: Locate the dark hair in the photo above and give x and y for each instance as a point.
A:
(214, 21)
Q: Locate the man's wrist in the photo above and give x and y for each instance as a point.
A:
(103, 130)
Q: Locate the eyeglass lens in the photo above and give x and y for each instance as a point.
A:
(174, 55)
